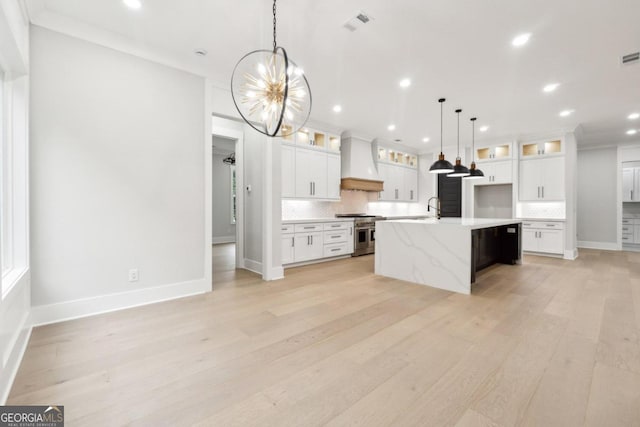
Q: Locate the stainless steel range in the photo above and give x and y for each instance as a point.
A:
(365, 232)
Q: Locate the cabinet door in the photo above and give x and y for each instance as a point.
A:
(628, 183)
(288, 248)
(552, 178)
(530, 240)
(288, 171)
(350, 239)
(384, 171)
(308, 246)
(410, 185)
(502, 172)
(311, 174)
(530, 180)
(636, 187)
(333, 177)
(551, 241)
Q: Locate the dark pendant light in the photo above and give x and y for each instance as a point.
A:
(473, 172)
(459, 170)
(270, 91)
(441, 165)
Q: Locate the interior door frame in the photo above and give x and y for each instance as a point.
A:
(238, 136)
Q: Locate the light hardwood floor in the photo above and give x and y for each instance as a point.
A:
(547, 343)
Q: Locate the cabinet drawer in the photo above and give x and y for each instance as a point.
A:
(306, 228)
(627, 238)
(627, 221)
(339, 236)
(337, 225)
(543, 225)
(336, 250)
(287, 228)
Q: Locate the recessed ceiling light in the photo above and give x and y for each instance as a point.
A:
(484, 128)
(521, 39)
(566, 113)
(337, 108)
(425, 140)
(133, 4)
(551, 87)
(391, 127)
(632, 132)
(405, 83)
(633, 116)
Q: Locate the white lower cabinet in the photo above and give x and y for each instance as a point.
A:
(308, 246)
(314, 241)
(631, 231)
(543, 237)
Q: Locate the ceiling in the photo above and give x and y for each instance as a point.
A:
(458, 49)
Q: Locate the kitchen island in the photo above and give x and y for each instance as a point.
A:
(445, 253)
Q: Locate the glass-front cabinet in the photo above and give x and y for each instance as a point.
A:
(541, 148)
(494, 152)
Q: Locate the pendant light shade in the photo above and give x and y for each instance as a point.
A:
(459, 170)
(473, 172)
(441, 165)
(270, 91)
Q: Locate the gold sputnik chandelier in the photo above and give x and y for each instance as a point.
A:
(270, 91)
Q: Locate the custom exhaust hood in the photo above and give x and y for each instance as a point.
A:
(358, 170)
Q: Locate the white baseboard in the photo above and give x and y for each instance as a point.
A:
(276, 273)
(53, 313)
(10, 370)
(252, 265)
(571, 254)
(224, 239)
(605, 246)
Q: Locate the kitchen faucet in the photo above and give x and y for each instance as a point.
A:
(437, 207)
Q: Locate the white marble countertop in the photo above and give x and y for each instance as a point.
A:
(469, 223)
(309, 220)
(394, 217)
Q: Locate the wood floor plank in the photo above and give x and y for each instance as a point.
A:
(614, 398)
(548, 342)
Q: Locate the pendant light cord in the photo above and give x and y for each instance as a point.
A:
(458, 111)
(274, 26)
(441, 103)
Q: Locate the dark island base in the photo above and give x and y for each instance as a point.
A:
(494, 245)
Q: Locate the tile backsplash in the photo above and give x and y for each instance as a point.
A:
(547, 210)
(351, 202)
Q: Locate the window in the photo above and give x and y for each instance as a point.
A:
(13, 194)
(232, 170)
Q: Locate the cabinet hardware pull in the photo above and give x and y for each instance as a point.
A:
(335, 236)
(543, 192)
(350, 231)
(310, 189)
(551, 225)
(293, 242)
(335, 249)
(312, 240)
(335, 225)
(309, 228)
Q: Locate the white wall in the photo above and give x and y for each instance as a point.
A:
(597, 197)
(15, 304)
(117, 172)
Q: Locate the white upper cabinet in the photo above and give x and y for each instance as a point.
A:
(542, 179)
(631, 184)
(333, 176)
(288, 169)
(311, 165)
(494, 152)
(499, 172)
(541, 148)
(399, 172)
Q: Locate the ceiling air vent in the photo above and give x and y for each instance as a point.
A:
(631, 58)
(357, 21)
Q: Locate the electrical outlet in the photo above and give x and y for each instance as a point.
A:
(133, 275)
